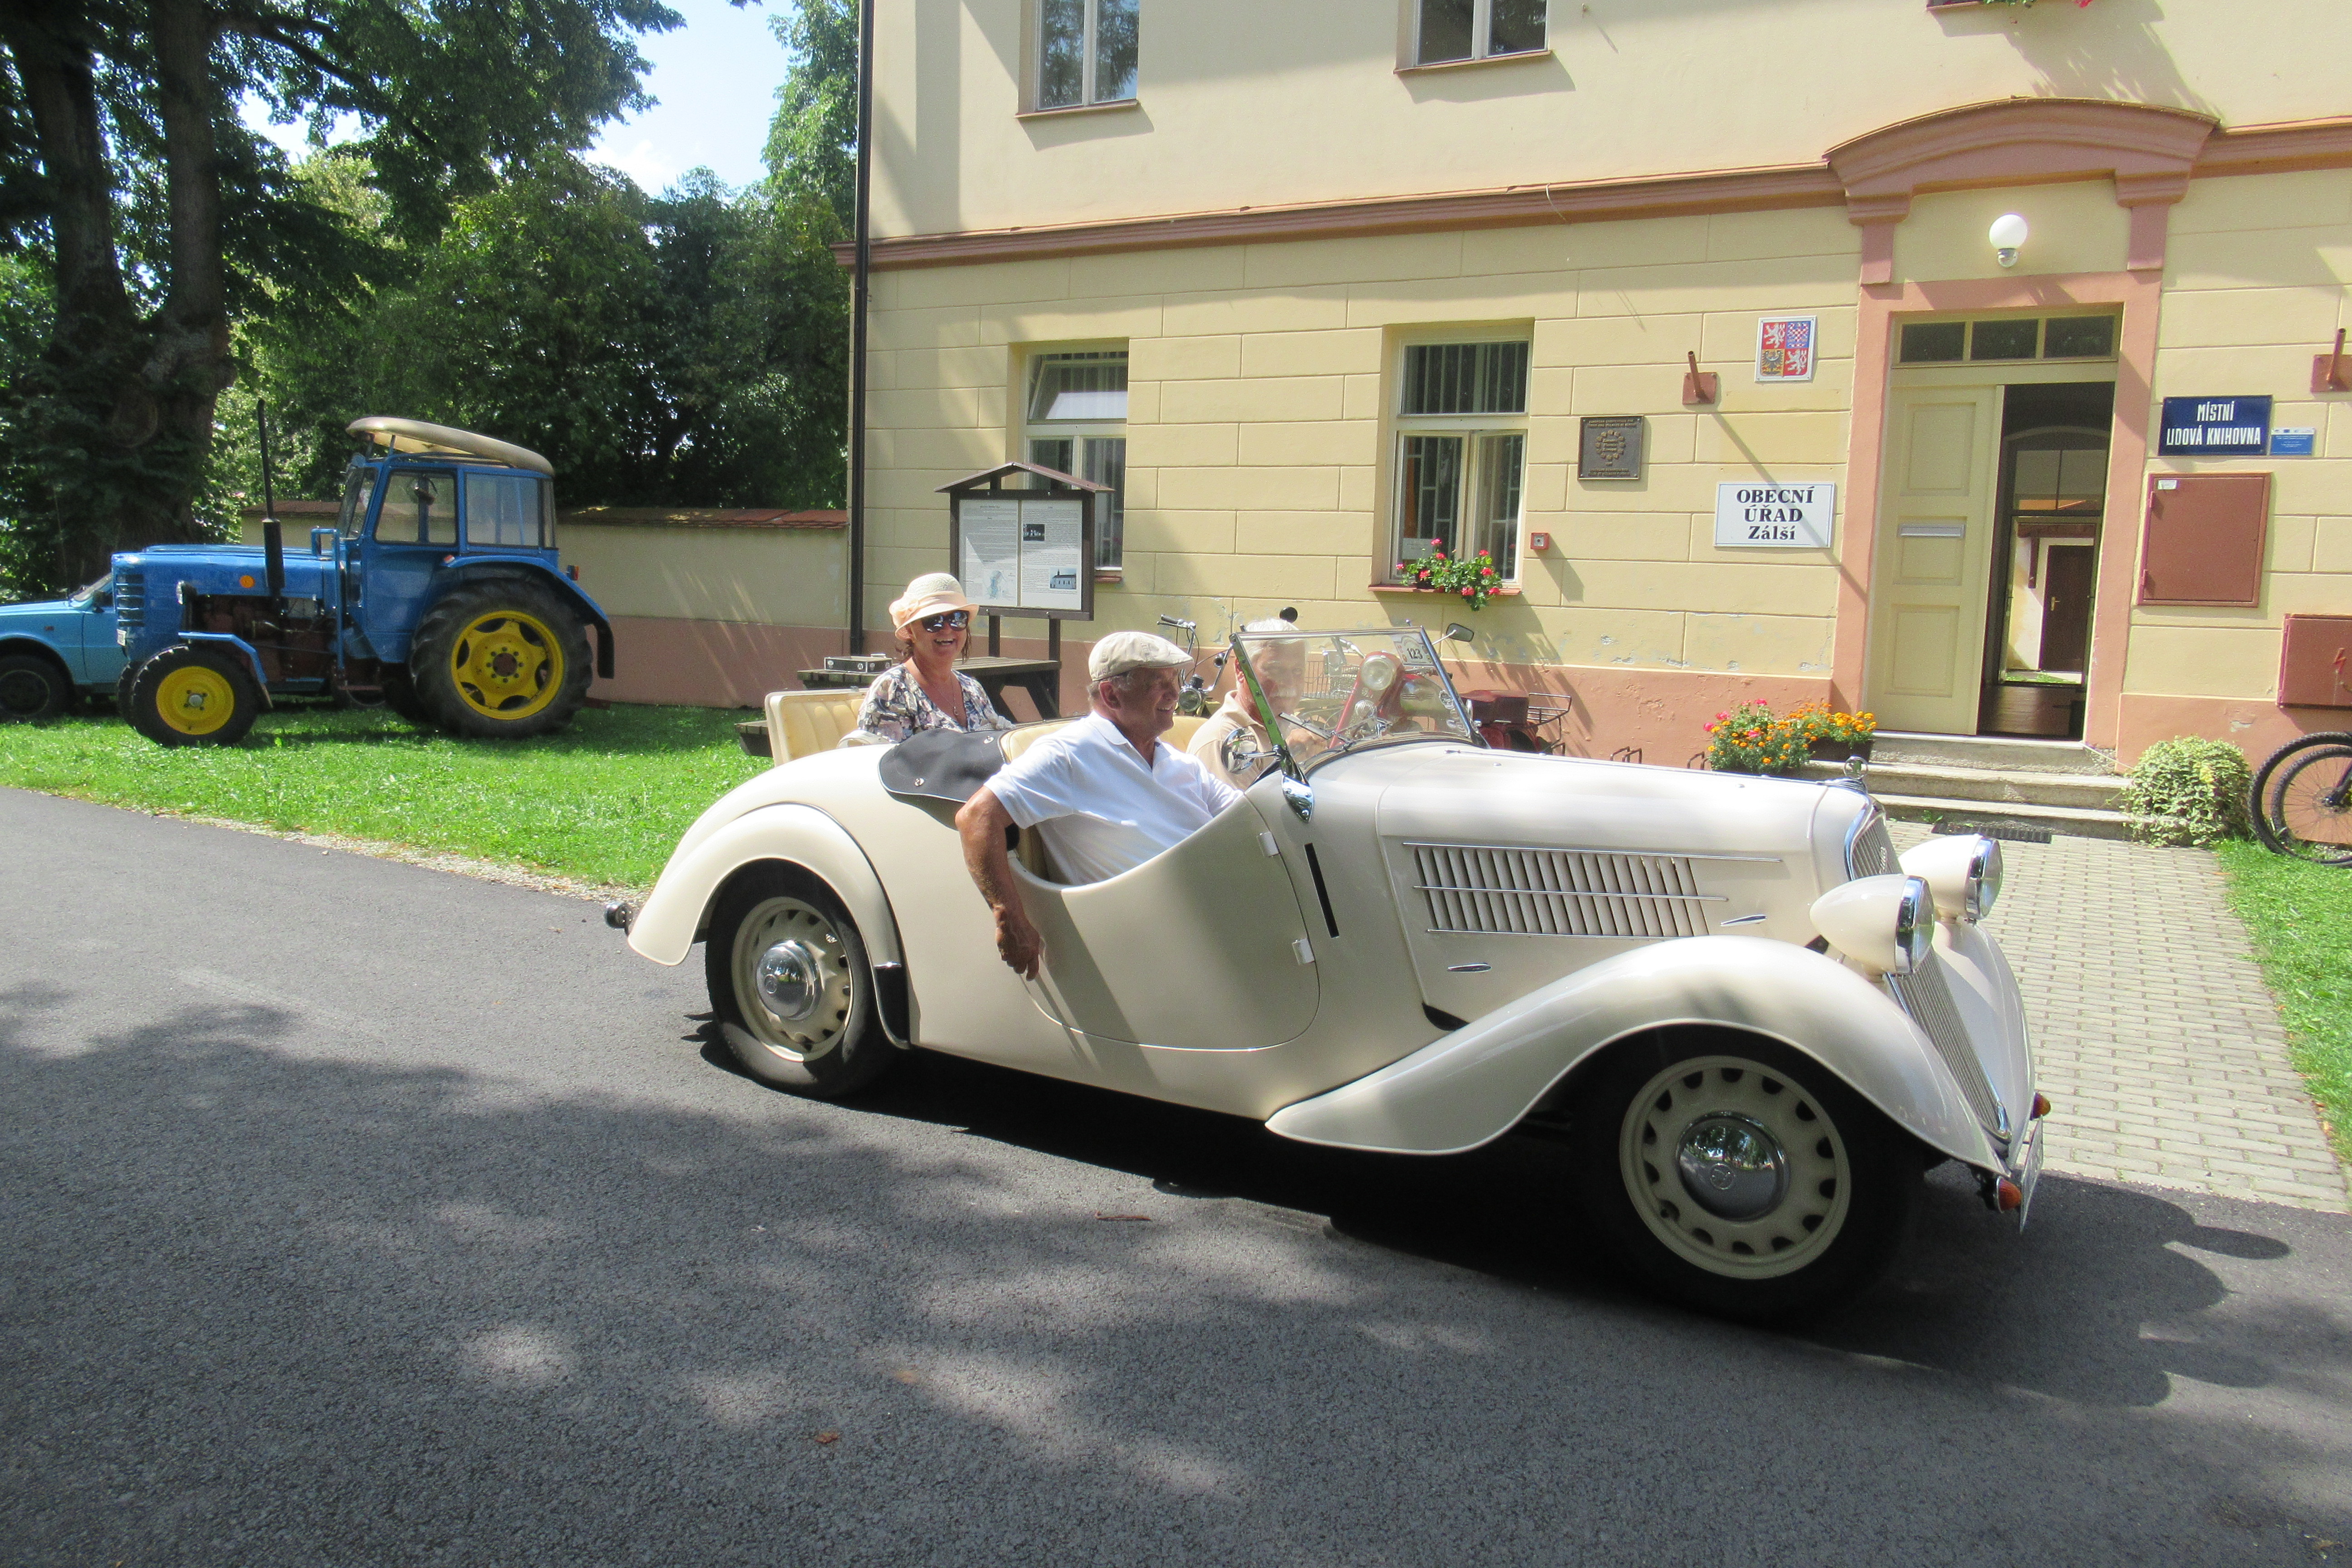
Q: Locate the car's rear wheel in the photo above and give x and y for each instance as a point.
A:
(1740, 1177)
(32, 689)
(189, 696)
(790, 986)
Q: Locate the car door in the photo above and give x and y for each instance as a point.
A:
(98, 661)
(415, 527)
(1202, 947)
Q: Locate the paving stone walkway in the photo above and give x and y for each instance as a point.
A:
(2157, 1043)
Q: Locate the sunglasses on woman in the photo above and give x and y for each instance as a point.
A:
(952, 619)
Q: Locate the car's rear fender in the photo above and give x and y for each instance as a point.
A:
(675, 913)
(1475, 1084)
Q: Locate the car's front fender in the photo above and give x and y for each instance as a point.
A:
(1475, 1084)
(666, 928)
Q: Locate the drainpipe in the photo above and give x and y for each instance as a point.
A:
(857, 289)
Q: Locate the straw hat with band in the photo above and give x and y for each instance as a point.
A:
(932, 593)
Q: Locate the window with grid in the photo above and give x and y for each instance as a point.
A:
(1076, 423)
(1462, 450)
(1447, 30)
(1085, 52)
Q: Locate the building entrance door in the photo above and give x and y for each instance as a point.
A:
(1934, 557)
(1991, 480)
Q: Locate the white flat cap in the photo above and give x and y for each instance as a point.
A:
(1122, 651)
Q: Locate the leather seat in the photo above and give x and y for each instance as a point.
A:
(802, 722)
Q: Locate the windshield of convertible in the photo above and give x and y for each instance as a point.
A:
(1322, 694)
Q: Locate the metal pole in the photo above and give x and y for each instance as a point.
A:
(857, 289)
(273, 538)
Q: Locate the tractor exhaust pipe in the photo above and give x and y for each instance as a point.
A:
(273, 537)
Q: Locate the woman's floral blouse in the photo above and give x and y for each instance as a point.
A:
(897, 706)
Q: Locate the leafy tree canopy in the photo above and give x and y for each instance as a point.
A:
(140, 218)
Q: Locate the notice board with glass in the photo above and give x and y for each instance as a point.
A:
(1026, 551)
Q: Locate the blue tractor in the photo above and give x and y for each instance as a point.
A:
(436, 594)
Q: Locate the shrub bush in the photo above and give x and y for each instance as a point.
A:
(2189, 791)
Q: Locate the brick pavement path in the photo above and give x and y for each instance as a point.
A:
(2159, 1047)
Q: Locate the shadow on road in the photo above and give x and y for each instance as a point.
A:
(273, 1299)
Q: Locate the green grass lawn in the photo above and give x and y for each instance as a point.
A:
(604, 801)
(2301, 916)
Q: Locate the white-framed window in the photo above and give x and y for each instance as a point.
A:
(1074, 421)
(1461, 449)
(1086, 51)
(1447, 30)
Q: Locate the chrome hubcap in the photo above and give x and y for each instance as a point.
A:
(788, 981)
(1732, 1167)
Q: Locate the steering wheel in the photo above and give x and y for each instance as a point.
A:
(1372, 706)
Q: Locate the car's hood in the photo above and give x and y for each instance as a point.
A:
(36, 607)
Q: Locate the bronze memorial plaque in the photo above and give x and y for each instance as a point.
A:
(1612, 448)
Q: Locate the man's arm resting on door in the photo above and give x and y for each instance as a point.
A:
(981, 822)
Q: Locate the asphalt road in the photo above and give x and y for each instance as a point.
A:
(358, 1213)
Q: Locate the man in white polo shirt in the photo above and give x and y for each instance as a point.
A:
(1104, 792)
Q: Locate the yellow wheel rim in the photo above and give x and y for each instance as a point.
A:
(194, 701)
(507, 665)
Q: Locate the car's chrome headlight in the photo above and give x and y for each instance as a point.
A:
(1964, 874)
(1886, 924)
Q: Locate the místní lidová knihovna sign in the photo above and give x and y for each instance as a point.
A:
(2215, 427)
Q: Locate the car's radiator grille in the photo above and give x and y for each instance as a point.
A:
(1870, 852)
(1559, 892)
(131, 600)
(1926, 995)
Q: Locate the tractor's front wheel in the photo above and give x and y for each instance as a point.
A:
(501, 659)
(188, 696)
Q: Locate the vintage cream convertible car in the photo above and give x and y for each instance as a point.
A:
(1753, 1027)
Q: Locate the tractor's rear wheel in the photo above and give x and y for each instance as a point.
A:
(32, 688)
(501, 659)
(188, 696)
(790, 987)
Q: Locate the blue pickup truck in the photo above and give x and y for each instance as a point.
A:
(52, 649)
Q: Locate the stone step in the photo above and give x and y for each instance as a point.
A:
(1994, 752)
(2007, 786)
(2072, 821)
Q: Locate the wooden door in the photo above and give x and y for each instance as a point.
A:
(1934, 552)
(2066, 605)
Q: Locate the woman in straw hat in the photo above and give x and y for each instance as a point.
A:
(925, 690)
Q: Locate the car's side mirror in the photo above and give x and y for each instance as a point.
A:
(102, 602)
(1242, 758)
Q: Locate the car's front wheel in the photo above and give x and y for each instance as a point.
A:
(790, 986)
(1740, 1177)
(32, 688)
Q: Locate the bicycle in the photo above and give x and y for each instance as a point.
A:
(2301, 799)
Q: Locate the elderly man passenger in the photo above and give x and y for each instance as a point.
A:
(1105, 794)
(925, 690)
(1281, 668)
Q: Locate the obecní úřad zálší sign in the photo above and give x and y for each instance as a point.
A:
(2214, 428)
(1750, 514)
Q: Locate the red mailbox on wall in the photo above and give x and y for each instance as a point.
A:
(2316, 665)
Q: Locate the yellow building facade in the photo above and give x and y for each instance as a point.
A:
(1321, 293)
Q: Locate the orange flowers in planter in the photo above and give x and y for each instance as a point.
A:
(1750, 739)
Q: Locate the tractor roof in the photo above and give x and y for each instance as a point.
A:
(416, 436)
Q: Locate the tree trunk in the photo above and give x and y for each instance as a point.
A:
(119, 409)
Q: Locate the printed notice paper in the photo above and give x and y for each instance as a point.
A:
(1052, 534)
(1019, 553)
(992, 551)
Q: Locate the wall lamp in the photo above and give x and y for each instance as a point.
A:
(2008, 237)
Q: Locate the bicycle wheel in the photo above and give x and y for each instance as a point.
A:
(2258, 794)
(2308, 805)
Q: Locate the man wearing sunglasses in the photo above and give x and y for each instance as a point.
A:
(1106, 791)
(925, 690)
